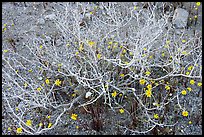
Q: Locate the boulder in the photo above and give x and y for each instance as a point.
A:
(180, 18)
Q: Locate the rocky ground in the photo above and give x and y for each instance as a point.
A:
(23, 19)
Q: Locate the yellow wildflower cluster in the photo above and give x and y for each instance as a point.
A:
(91, 43)
(198, 3)
(39, 89)
(5, 51)
(99, 56)
(147, 73)
(19, 130)
(149, 90)
(81, 48)
(190, 67)
(58, 82)
(142, 81)
(47, 81)
(183, 92)
(74, 116)
(185, 113)
(49, 125)
(167, 87)
(156, 116)
(114, 94)
(130, 53)
(122, 75)
(40, 124)
(192, 82)
(187, 73)
(29, 123)
(189, 89)
(183, 41)
(121, 110)
(199, 84)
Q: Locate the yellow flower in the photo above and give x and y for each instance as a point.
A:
(190, 122)
(121, 110)
(19, 130)
(77, 53)
(40, 124)
(147, 73)
(73, 95)
(29, 123)
(41, 46)
(199, 84)
(74, 116)
(49, 125)
(183, 41)
(58, 82)
(184, 53)
(192, 82)
(30, 70)
(124, 51)
(156, 116)
(185, 113)
(152, 81)
(109, 47)
(195, 16)
(190, 67)
(59, 65)
(115, 46)
(149, 86)
(189, 88)
(49, 117)
(142, 81)
(91, 13)
(126, 63)
(120, 95)
(148, 93)
(167, 87)
(198, 3)
(144, 49)
(168, 41)
(183, 92)
(135, 7)
(77, 127)
(98, 56)
(39, 89)
(25, 85)
(17, 109)
(150, 56)
(47, 81)
(163, 54)
(143, 55)
(5, 25)
(166, 46)
(9, 129)
(110, 42)
(5, 51)
(122, 75)
(130, 53)
(91, 43)
(114, 94)
(187, 73)
(68, 45)
(81, 47)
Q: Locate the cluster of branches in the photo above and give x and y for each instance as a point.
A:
(102, 48)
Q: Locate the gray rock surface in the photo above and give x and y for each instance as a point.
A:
(180, 18)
